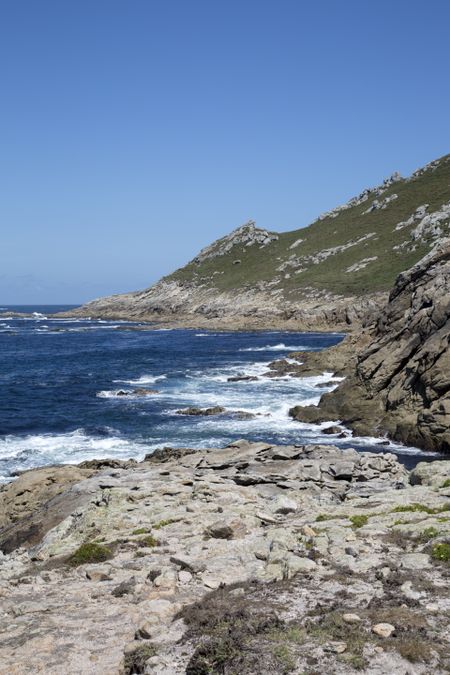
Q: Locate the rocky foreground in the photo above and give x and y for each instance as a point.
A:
(251, 559)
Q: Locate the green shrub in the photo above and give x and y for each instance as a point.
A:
(441, 552)
(141, 530)
(414, 507)
(163, 523)
(359, 521)
(428, 533)
(325, 516)
(148, 541)
(90, 553)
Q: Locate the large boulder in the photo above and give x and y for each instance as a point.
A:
(23, 496)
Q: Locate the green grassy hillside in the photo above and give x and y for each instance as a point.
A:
(355, 250)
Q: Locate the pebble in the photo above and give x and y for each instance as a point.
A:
(146, 631)
(415, 561)
(284, 505)
(335, 647)
(184, 577)
(410, 593)
(266, 518)
(98, 574)
(351, 618)
(308, 531)
(383, 630)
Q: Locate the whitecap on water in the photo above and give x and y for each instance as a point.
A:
(69, 448)
(281, 347)
(144, 379)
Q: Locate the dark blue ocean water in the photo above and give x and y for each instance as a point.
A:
(59, 383)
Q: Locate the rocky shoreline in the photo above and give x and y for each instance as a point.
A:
(257, 558)
(251, 311)
(398, 370)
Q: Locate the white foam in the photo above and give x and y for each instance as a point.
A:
(281, 347)
(144, 379)
(268, 397)
(69, 448)
(113, 393)
(124, 394)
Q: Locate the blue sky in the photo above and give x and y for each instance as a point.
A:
(133, 133)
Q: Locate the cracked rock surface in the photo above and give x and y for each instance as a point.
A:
(254, 558)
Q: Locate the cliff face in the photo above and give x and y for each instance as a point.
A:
(334, 273)
(401, 381)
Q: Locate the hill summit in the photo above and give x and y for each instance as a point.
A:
(333, 273)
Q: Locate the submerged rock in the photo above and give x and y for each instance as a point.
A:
(145, 392)
(242, 378)
(136, 392)
(332, 430)
(206, 412)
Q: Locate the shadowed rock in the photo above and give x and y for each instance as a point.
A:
(401, 381)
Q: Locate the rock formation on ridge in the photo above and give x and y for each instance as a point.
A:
(334, 273)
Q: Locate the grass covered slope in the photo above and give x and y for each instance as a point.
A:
(332, 273)
(321, 256)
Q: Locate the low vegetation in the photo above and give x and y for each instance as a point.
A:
(140, 530)
(90, 552)
(422, 508)
(238, 629)
(148, 541)
(359, 521)
(441, 552)
(383, 246)
(163, 523)
(135, 661)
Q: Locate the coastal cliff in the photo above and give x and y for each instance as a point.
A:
(398, 371)
(333, 274)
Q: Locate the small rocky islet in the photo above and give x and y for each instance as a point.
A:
(270, 559)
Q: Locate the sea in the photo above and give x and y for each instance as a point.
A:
(62, 384)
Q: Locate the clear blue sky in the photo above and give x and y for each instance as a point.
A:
(134, 132)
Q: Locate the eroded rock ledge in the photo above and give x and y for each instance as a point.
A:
(257, 558)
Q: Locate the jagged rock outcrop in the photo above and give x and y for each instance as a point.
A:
(400, 384)
(335, 273)
(245, 235)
